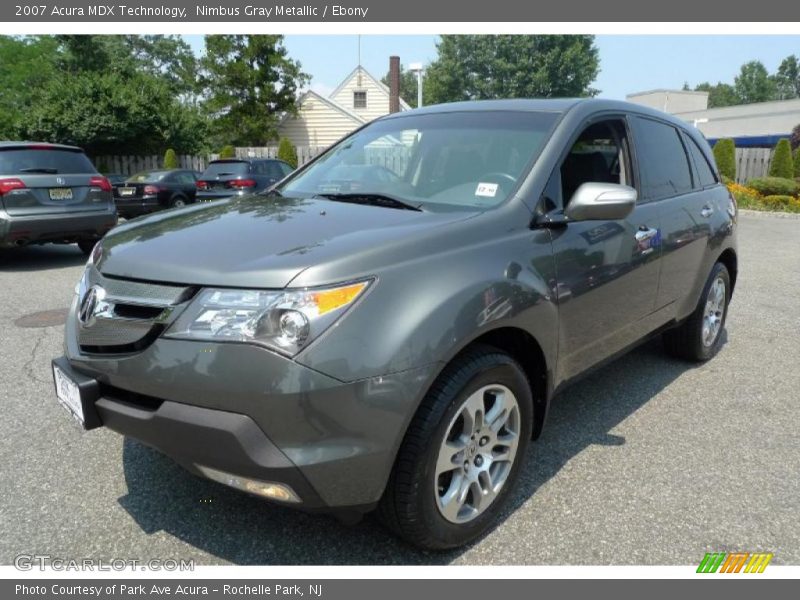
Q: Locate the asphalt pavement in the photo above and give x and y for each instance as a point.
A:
(649, 461)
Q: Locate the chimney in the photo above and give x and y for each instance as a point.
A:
(394, 84)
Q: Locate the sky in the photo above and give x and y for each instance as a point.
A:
(628, 63)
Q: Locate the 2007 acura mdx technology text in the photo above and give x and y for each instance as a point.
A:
(386, 327)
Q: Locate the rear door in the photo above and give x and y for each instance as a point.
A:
(47, 180)
(682, 190)
(607, 271)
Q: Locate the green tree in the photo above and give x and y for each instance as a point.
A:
(721, 94)
(227, 152)
(287, 152)
(408, 86)
(475, 67)
(787, 79)
(796, 160)
(782, 164)
(725, 157)
(170, 159)
(754, 84)
(26, 65)
(249, 82)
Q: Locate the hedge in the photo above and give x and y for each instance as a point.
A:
(782, 164)
(170, 159)
(773, 186)
(725, 156)
(227, 152)
(287, 152)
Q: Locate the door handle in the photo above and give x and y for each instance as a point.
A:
(645, 233)
(706, 211)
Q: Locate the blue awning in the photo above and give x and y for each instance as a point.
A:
(755, 141)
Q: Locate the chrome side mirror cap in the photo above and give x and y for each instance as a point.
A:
(601, 202)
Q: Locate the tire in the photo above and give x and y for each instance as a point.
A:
(178, 202)
(690, 340)
(413, 504)
(87, 246)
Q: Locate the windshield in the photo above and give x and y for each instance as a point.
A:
(466, 159)
(226, 168)
(36, 160)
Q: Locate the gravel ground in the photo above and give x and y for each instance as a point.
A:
(649, 461)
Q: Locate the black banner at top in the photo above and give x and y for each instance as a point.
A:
(355, 11)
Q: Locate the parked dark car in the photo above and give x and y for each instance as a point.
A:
(115, 178)
(52, 193)
(239, 176)
(150, 191)
(351, 341)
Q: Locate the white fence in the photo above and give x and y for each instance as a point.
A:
(752, 162)
(129, 165)
(304, 153)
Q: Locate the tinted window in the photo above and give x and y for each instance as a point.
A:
(33, 160)
(225, 168)
(705, 174)
(273, 170)
(148, 177)
(663, 163)
(286, 169)
(184, 177)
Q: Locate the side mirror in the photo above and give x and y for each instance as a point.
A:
(601, 202)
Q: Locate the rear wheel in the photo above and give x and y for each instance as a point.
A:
(178, 202)
(699, 337)
(462, 453)
(87, 246)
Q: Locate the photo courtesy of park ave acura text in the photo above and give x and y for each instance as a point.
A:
(375, 298)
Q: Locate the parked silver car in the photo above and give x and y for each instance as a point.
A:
(386, 328)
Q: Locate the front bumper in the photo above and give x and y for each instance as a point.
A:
(250, 412)
(67, 227)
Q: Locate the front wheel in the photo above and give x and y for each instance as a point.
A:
(699, 338)
(462, 454)
(178, 202)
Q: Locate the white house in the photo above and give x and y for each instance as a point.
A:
(321, 121)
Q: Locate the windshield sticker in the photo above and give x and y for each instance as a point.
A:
(489, 190)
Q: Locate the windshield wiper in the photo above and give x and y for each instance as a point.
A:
(46, 170)
(373, 199)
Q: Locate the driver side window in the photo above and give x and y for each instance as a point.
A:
(599, 155)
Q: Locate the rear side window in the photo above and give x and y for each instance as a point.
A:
(22, 161)
(272, 169)
(705, 175)
(226, 168)
(663, 164)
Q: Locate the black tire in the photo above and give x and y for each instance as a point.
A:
(87, 246)
(686, 340)
(178, 202)
(409, 504)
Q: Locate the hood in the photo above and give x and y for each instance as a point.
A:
(256, 241)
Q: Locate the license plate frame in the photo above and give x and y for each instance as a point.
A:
(126, 192)
(77, 394)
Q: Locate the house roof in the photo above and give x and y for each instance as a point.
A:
(382, 86)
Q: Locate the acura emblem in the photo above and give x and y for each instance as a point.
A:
(91, 305)
(60, 180)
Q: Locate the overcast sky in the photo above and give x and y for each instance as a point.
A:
(627, 63)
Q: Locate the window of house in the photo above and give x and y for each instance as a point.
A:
(360, 99)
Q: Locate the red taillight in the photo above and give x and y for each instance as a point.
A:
(100, 182)
(243, 183)
(150, 190)
(201, 185)
(6, 185)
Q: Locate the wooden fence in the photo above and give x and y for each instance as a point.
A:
(752, 162)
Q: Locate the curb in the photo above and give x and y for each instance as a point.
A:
(765, 214)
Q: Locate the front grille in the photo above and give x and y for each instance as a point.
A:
(128, 315)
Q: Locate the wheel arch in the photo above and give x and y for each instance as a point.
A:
(731, 262)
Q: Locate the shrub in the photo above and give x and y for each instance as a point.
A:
(773, 186)
(287, 152)
(777, 202)
(745, 197)
(170, 159)
(725, 157)
(797, 163)
(227, 152)
(782, 164)
(795, 140)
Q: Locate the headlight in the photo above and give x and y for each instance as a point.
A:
(284, 320)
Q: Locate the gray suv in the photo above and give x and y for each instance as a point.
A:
(387, 327)
(52, 193)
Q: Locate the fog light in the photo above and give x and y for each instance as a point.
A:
(267, 489)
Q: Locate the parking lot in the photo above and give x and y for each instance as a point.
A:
(649, 461)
